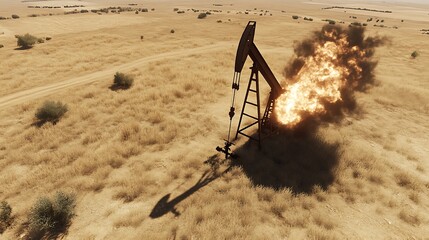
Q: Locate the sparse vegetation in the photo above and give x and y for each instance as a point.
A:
(358, 8)
(330, 21)
(126, 151)
(410, 217)
(202, 15)
(414, 54)
(356, 24)
(5, 216)
(122, 81)
(295, 17)
(172, 31)
(26, 41)
(51, 111)
(14, 16)
(1, 46)
(51, 216)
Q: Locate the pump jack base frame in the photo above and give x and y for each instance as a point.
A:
(262, 122)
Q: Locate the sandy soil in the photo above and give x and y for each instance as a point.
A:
(142, 163)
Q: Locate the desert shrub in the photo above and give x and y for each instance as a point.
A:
(153, 9)
(295, 17)
(332, 22)
(1, 46)
(26, 41)
(2, 18)
(145, 10)
(51, 111)
(202, 15)
(122, 80)
(308, 19)
(49, 216)
(5, 215)
(40, 40)
(48, 38)
(179, 12)
(84, 11)
(14, 16)
(33, 15)
(172, 31)
(175, 9)
(137, 12)
(410, 217)
(414, 54)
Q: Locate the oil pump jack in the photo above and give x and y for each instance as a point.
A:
(247, 48)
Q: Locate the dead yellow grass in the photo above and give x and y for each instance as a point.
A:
(125, 153)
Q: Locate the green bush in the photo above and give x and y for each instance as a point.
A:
(5, 215)
(48, 216)
(414, 54)
(202, 15)
(122, 80)
(51, 111)
(26, 41)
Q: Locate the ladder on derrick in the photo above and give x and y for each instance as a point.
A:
(254, 78)
(266, 119)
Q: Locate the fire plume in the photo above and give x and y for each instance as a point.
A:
(325, 72)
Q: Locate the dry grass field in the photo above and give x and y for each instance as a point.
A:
(142, 161)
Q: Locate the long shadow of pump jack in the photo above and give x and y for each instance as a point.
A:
(164, 205)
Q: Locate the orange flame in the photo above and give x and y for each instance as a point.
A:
(320, 80)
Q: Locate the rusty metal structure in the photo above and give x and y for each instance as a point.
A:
(247, 48)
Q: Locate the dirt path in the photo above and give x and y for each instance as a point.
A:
(38, 92)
